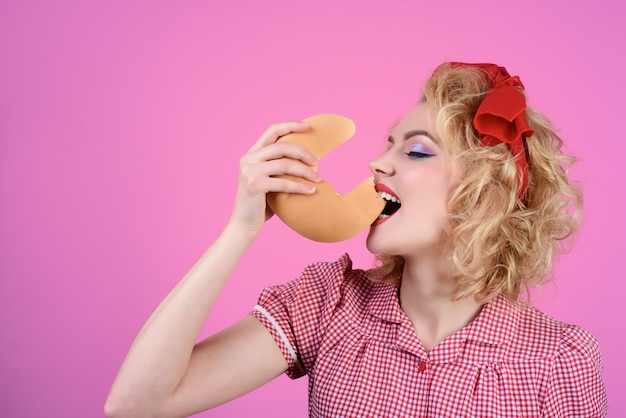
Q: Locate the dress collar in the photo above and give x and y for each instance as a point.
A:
(495, 324)
(384, 303)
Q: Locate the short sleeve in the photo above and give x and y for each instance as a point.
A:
(575, 388)
(297, 313)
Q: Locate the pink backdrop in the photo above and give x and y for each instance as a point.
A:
(121, 127)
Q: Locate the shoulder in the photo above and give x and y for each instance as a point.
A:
(339, 273)
(337, 286)
(548, 337)
(571, 354)
(322, 283)
(578, 346)
(570, 360)
(329, 270)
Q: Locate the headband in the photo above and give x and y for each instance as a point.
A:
(500, 118)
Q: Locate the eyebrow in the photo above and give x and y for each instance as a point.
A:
(411, 134)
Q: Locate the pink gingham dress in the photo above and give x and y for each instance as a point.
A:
(364, 359)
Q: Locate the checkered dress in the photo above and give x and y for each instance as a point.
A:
(363, 358)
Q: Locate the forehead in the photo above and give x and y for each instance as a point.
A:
(419, 117)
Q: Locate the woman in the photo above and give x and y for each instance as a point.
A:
(483, 204)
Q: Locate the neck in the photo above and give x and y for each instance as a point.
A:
(426, 297)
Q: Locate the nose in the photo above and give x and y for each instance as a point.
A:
(382, 165)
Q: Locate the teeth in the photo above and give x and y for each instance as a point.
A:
(387, 196)
(381, 216)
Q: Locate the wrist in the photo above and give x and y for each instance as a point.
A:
(241, 230)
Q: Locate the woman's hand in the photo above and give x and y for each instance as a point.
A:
(258, 168)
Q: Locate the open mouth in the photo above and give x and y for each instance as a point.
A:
(392, 202)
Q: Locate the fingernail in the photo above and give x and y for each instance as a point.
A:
(310, 189)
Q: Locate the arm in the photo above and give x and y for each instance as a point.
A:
(165, 373)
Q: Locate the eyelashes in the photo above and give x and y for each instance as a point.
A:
(419, 150)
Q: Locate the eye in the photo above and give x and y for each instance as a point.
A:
(418, 151)
(416, 155)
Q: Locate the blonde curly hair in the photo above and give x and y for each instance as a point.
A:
(499, 243)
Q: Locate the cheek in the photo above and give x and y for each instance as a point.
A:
(431, 182)
(447, 181)
(431, 194)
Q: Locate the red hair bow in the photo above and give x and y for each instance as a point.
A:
(501, 116)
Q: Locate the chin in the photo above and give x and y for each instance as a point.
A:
(371, 247)
(377, 246)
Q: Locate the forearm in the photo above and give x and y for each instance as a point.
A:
(160, 354)
(157, 375)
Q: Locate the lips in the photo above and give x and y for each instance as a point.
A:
(392, 203)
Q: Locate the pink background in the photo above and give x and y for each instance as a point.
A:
(121, 128)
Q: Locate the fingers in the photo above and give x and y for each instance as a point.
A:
(279, 150)
(277, 130)
(259, 169)
(260, 177)
(268, 159)
(289, 186)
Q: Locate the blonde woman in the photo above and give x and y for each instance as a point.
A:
(481, 204)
